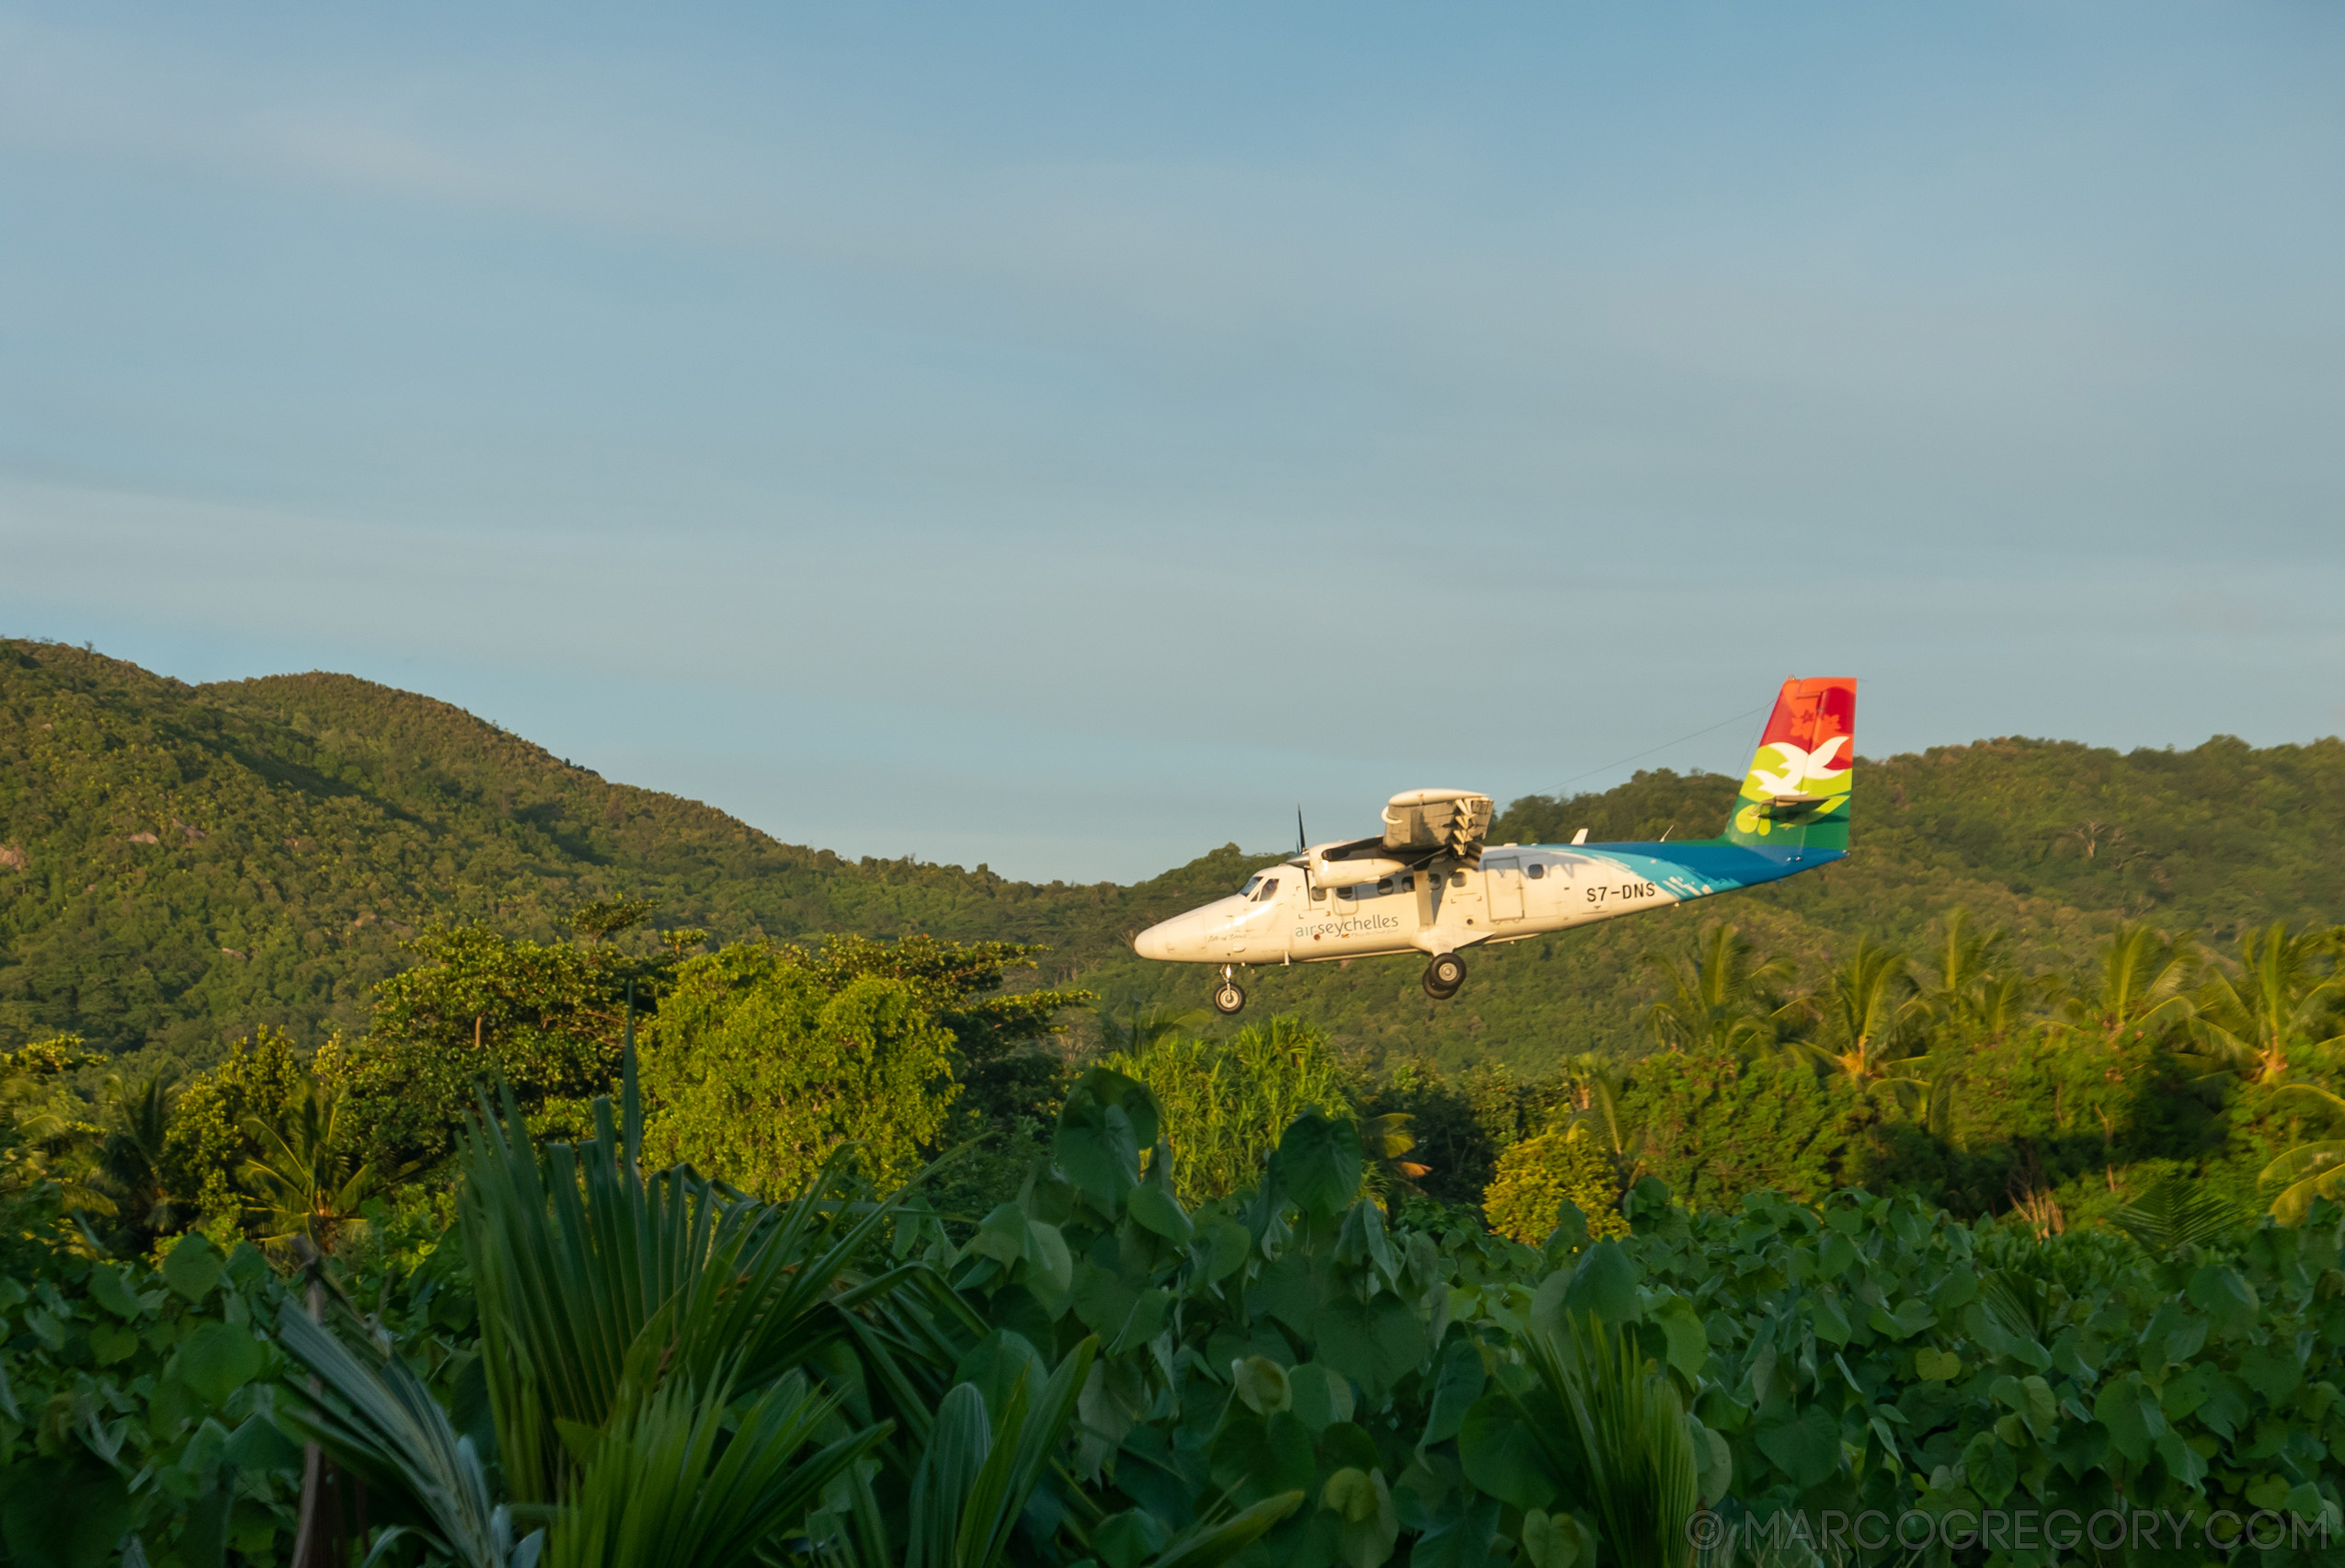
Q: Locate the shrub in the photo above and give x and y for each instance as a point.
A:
(1539, 1175)
(755, 1073)
(1225, 1102)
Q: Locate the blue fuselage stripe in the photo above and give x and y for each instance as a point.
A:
(1696, 870)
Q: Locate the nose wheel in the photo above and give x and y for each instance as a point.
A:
(1444, 976)
(1228, 1000)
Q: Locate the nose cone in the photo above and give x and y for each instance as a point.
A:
(1156, 942)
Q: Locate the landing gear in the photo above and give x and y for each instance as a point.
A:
(1444, 976)
(1227, 999)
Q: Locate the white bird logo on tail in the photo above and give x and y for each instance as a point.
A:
(1799, 766)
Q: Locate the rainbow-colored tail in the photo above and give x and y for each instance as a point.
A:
(1795, 792)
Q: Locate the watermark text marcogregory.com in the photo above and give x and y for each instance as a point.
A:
(1831, 1532)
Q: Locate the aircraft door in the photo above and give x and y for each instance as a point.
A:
(1502, 885)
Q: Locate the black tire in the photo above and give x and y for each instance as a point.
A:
(1228, 1000)
(1444, 976)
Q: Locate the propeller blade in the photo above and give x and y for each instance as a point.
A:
(1302, 843)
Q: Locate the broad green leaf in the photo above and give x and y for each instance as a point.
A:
(1714, 1463)
(1909, 1319)
(1000, 1364)
(2272, 1371)
(2228, 1301)
(194, 1266)
(218, 1359)
(1001, 1235)
(2029, 1399)
(1261, 1384)
(2130, 1413)
(1831, 1322)
(2183, 1462)
(1258, 1457)
(61, 1515)
(1934, 1365)
(1504, 1457)
(1128, 1539)
(1990, 1467)
(1371, 1524)
(1688, 1341)
(1348, 1443)
(1230, 1243)
(1805, 1446)
(110, 1342)
(1458, 1381)
(1159, 1211)
(1050, 1271)
(258, 1446)
(1321, 1396)
(112, 1291)
(1376, 1342)
(1319, 1160)
(1556, 1540)
(1604, 1284)
(1106, 1121)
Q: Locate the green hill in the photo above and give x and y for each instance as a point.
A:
(181, 862)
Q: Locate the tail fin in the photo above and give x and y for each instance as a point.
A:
(1795, 794)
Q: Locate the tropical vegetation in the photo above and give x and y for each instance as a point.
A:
(540, 1171)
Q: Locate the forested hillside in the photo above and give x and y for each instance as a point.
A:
(180, 863)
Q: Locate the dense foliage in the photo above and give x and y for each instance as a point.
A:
(1288, 1374)
(760, 1073)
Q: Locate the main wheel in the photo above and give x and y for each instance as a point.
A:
(1227, 1000)
(1444, 976)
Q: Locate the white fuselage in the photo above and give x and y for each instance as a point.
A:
(1518, 890)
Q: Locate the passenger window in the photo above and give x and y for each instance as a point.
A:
(1384, 887)
(1268, 888)
(1408, 884)
(1319, 895)
(1347, 894)
(1536, 872)
(1457, 879)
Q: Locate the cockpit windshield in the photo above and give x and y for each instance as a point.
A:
(1252, 883)
(1269, 888)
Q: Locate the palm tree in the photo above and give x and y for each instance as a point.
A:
(1598, 1083)
(2140, 990)
(129, 1161)
(2309, 1170)
(1722, 997)
(308, 1183)
(1137, 1031)
(1966, 990)
(1868, 1016)
(2281, 998)
(43, 1139)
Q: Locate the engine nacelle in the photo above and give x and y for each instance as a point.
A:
(1363, 860)
(1451, 821)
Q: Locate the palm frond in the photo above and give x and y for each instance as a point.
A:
(2175, 1214)
(2304, 1174)
(580, 1263)
(1633, 1440)
(377, 1420)
(678, 1479)
(981, 1468)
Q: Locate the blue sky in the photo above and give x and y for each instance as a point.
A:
(1067, 438)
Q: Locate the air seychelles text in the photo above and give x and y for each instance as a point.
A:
(1355, 926)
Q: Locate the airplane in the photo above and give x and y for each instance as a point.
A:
(1428, 883)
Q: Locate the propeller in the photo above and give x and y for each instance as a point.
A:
(1301, 844)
